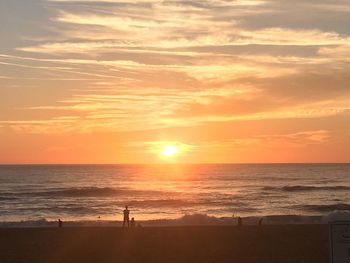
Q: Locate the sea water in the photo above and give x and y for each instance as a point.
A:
(199, 193)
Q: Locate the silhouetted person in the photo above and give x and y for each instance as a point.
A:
(60, 223)
(239, 221)
(260, 221)
(132, 222)
(126, 216)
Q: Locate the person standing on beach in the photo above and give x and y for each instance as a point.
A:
(126, 216)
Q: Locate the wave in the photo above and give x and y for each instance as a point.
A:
(187, 202)
(7, 198)
(328, 208)
(165, 203)
(302, 188)
(89, 192)
(336, 216)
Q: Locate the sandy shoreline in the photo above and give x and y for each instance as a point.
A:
(282, 244)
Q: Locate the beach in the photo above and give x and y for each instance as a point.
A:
(251, 244)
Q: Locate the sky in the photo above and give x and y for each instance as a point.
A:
(241, 81)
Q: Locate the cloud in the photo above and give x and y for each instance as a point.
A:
(298, 139)
(153, 64)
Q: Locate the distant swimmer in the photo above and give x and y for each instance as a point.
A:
(126, 216)
(60, 223)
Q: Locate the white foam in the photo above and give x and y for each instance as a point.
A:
(336, 216)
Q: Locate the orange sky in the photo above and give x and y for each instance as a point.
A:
(225, 81)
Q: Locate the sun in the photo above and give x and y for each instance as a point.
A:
(169, 150)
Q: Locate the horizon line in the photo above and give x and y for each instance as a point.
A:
(169, 163)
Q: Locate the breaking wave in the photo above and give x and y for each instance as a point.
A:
(89, 192)
(304, 188)
(328, 208)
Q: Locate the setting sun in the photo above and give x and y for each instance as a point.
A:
(169, 150)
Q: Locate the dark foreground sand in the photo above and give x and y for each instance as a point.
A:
(282, 244)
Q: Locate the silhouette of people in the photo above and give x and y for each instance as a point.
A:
(60, 223)
(132, 222)
(260, 221)
(240, 221)
(126, 216)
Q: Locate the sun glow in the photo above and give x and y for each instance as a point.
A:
(169, 150)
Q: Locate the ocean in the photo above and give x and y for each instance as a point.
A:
(37, 195)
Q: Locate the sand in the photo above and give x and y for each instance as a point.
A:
(282, 244)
